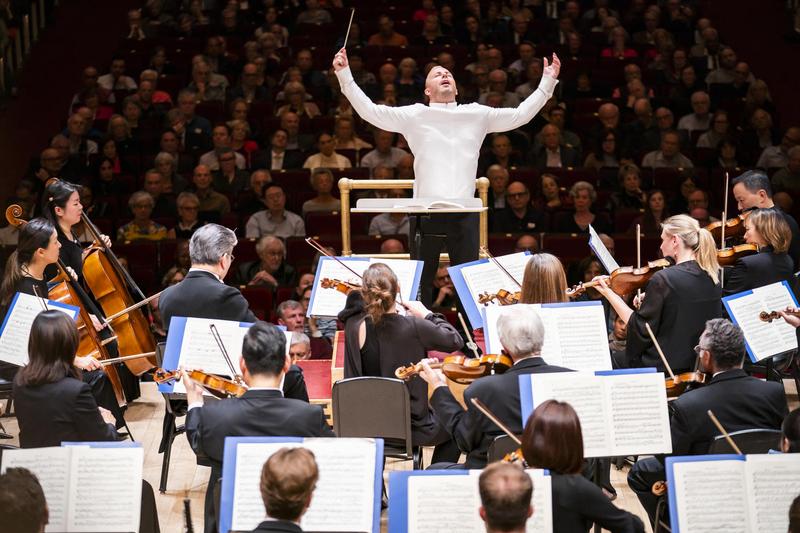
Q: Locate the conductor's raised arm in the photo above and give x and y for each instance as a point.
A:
(340, 60)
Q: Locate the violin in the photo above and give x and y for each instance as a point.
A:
(462, 369)
(624, 280)
(502, 296)
(217, 385)
(679, 383)
(344, 287)
(729, 256)
(734, 227)
(765, 316)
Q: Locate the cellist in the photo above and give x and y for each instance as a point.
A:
(39, 247)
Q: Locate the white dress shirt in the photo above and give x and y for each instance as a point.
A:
(444, 138)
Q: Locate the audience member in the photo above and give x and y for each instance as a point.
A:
(212, 203)
(519, 214)
(669, 155)
(270, 269)
(327, 157)
(275, 219)
(322, 184)
(142, 227)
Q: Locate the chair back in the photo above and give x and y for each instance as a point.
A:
(501, 446)
(749, 441)
(374, 407)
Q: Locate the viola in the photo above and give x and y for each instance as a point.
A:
(729, 256)
(502, 296)
(734, 227)
(217, 385)
(344, 287)
(462, 369)
(66, 290)
(678, 384)
(624, 280)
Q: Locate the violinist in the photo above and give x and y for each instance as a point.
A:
(790, 432)
(739, 401)
(678, 300)
(553, 440)
(521, 334)
(768, 230)
(544, 281)
(52, 403)
(753, 190)
(378, 340)
(38, 247)
(263, 410)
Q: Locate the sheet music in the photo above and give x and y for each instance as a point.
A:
(427, 515)
(710, 496)
(199, 350)
(248, 507)
(406, 272)
(487, 277)
(328, 302)
(574, 335)
(343, 499)
(17, 326)
(773, 481)
(115, 473)
(600, 250)
(639, 416)
(763, 338)
(52, 467)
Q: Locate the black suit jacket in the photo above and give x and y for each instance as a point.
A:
(202, 295)
(577, 503)
(277, 526)
(739, 401)
(56, 412)
(569, 157)
(471, 430)
(758, 270)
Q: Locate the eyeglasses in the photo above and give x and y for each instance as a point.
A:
(230, 256)
(698, 349)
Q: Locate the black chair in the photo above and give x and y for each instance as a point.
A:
(501, 446)
(170, 429)
(376, 407)
(6, 393)
(749, 441)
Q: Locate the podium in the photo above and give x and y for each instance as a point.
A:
(410, 206)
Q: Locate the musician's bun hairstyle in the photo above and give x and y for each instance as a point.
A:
(56, 194)
(33, 235)
(698, 239)
(771, 225)
(379, 287)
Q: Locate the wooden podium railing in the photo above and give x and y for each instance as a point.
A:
(346, 185)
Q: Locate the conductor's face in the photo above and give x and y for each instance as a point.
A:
(440, 87)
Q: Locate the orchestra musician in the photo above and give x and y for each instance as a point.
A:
(52, 402)
(38, 248)
(378, 340)
(790, 432)
(22, 502)
(753, 190)
(678, 300)
(506, 492)
(262, 411)
(521, 334)
(445, 139)
(544, 281)
(767, 229)
(288, 480)
(739, 401)
(553, 440)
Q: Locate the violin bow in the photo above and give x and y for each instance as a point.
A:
(485, 410)
(660, 351)
(470, 343)
(496, 263)
(639, 253)
(42, 300)
(725, 434)
(218, 340)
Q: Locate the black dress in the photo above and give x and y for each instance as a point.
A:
(678, 302)
(757, 270)
(577, 503)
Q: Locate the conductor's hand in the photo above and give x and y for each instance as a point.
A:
(552, 69)
(340, 60)
(790, 318)
(435, 378)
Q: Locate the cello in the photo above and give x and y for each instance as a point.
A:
(67, 291)
(111, 286)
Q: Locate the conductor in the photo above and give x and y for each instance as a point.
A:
(445, 139)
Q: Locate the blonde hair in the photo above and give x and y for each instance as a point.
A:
(773, 227)
(698, 239)
(544, 281)
(378, 288)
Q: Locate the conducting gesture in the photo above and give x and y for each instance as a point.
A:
(551, 69)
(340, 60)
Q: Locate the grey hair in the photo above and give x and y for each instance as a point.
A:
(287, 305)
(186, 196)
(521, 332)
(165, 157)
(300, 338)
(139, 196)
(209, 243)
(266, 240)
